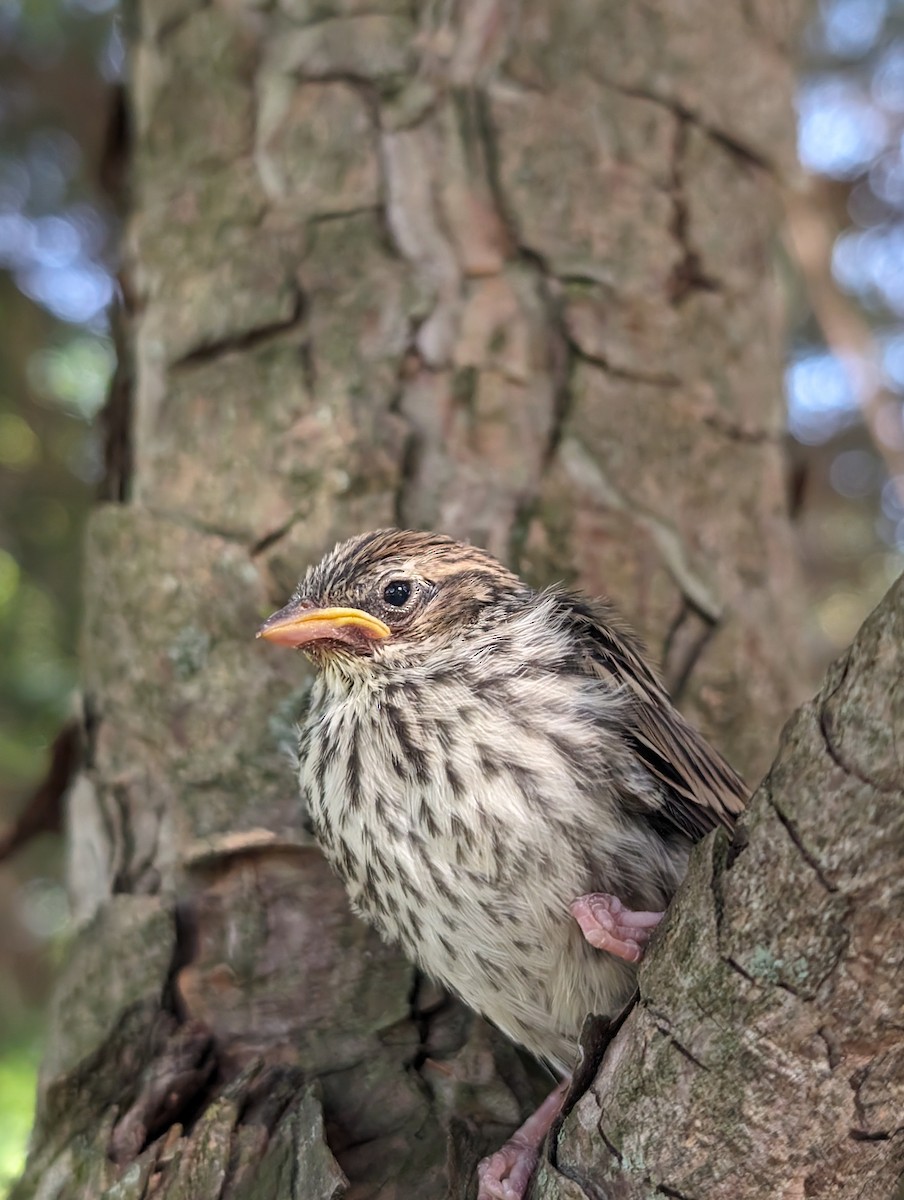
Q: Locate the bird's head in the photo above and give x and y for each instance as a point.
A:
(391, 595)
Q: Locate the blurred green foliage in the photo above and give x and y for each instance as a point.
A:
(56, 231)
(46, 452)
(58, 64)
(18, 1068)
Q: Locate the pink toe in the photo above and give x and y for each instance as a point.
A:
(506, 1174)
(608, 925)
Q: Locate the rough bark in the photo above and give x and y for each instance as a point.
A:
(765, 1056)
(501, 270)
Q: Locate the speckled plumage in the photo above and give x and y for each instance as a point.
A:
(501, 752)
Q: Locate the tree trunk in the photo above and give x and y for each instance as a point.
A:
(500, 270)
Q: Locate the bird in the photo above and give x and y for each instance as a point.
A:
(502, 782)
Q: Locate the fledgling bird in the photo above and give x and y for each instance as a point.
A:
(501, 781)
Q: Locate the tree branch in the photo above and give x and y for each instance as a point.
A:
(765, 1054)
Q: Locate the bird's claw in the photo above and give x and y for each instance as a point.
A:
(506, 1174)
(608, 925)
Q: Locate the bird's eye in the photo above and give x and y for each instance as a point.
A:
(397, 593)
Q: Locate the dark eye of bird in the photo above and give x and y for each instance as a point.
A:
(397, 593)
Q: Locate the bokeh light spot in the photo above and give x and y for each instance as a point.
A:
(57, 241)
(839, 616)
(74, 293)
(870, 263)
(855, 473)
(75, 375)
(852, 27)
(840, 131)
(19, 446)
(43, 908)
(893, 361)
(893, 498)
(888, 78)
(821, 400)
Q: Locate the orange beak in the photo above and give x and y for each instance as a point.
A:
(298, 625)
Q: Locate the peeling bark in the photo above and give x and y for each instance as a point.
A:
(499, 269)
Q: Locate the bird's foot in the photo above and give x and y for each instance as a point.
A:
(506, 1174)
(608, 925)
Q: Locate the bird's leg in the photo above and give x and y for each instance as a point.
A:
(608, 925)
(506, 1174)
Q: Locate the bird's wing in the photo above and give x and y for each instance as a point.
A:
(699, 789)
